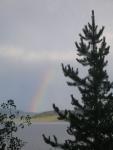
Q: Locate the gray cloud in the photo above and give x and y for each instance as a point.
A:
(38, 35)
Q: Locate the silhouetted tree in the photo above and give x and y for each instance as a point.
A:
(9, 126)
(91, 121)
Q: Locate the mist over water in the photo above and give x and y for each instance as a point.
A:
(33, 135)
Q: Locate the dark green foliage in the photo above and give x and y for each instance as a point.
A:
(91, 121)
(9, 126)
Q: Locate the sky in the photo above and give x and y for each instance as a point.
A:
(36, 36)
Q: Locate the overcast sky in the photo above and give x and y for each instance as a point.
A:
(36, 36)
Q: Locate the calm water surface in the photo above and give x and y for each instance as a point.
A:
(33, 135)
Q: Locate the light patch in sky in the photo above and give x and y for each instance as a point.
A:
(36, 56)
(109, 37)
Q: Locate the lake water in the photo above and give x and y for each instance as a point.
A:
(33, 135)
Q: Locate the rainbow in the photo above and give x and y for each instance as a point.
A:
(41, 90)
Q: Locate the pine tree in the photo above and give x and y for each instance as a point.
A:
(91, 121)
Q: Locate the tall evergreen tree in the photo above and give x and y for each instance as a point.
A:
(91, 122)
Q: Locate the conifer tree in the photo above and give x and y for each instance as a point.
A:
(91, 121)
